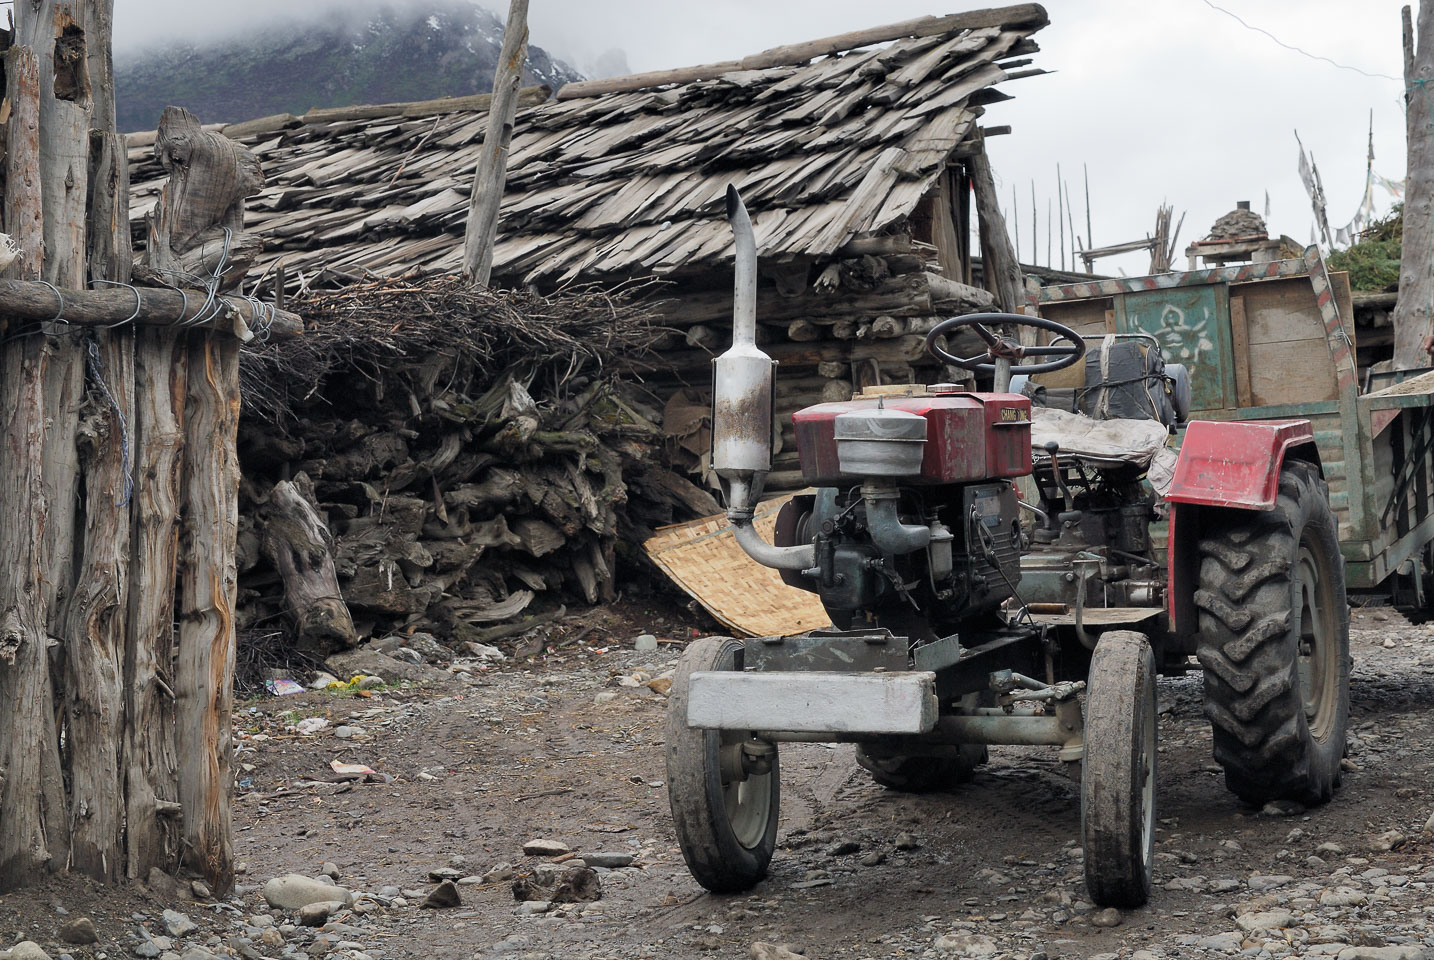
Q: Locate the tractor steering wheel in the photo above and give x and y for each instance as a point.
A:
(1008, 348)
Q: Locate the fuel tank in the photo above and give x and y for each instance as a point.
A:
(969, 437)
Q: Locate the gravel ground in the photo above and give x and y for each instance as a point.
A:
(472, 766)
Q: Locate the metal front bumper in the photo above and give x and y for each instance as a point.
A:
(813, 702)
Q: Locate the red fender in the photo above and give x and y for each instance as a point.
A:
(1233, 465)
(1238, 464)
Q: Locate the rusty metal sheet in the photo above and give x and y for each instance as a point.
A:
(938, 654)
(1100, 617)
(828, 650)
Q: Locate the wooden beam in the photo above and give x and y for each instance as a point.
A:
(1092, 255)
(1240, 338)
(481, 229)
(146, 306)
(999, 266)
(1025, 14)
(526, 97)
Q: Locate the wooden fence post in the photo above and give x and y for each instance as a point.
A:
(32, 803)
(208, 589)
(89, 657)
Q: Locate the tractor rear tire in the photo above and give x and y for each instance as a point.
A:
(1274, 643)
(920, 774)
(725, 814)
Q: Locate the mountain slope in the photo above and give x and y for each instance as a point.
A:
(373, 52)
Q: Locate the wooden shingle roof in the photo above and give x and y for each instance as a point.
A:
(632, 182)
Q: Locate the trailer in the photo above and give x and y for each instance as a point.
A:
(1274, 341)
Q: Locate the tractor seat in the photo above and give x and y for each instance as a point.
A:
(1104, 443)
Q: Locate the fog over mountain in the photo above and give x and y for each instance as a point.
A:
(369, 51)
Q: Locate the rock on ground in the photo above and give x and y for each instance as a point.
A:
(80, 930)
(773, 951)
(966, 945)
(177, 924)
(317, 914)
(292, 891)
(540, 847)
(27, 950)
(442, 896)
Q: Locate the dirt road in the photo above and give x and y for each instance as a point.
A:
(562, 750)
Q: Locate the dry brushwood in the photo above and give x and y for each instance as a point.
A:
(477, 456)
(440, 329)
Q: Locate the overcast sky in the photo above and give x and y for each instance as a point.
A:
(1164, 100)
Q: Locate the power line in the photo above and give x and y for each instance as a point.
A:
(1287, 46)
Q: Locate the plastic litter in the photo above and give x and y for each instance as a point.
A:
(283, 688)
(350, 769)
(311, 725)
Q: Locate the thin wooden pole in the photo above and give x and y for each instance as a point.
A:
(97, 616)
(1034, 252)
(482, 227)
(151, 765)
(1047, 233)
(1016, 222)
(204, 668)
(1089, 233)
(1061, 215)
(1070, 224)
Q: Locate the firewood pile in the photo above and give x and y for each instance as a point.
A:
(448, 459)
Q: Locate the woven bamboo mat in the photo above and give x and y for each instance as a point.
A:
(703, 558)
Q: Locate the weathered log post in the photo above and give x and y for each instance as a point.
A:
(482, 227)
(300, 547)
(32, 802)
(1002, 269)
(97, 613)
(210, 177)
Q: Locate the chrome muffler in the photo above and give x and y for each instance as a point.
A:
(742, 407)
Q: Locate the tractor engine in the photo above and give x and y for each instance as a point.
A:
(915, 512)
(914, 507)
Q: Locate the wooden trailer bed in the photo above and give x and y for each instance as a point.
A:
(1271, 341)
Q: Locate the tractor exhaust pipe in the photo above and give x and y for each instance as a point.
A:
(742, 407)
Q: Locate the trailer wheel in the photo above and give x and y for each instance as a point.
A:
(920, 774)
(1274, 642)
(1117, 792)
(723, 786)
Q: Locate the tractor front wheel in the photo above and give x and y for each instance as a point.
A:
(723, 786)
(1274, 643)
(1117, 793)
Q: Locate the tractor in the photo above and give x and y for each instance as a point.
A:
(999, 570)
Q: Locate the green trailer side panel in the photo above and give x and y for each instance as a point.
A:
(1192, 326)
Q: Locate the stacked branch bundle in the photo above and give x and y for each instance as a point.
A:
(449, 459)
